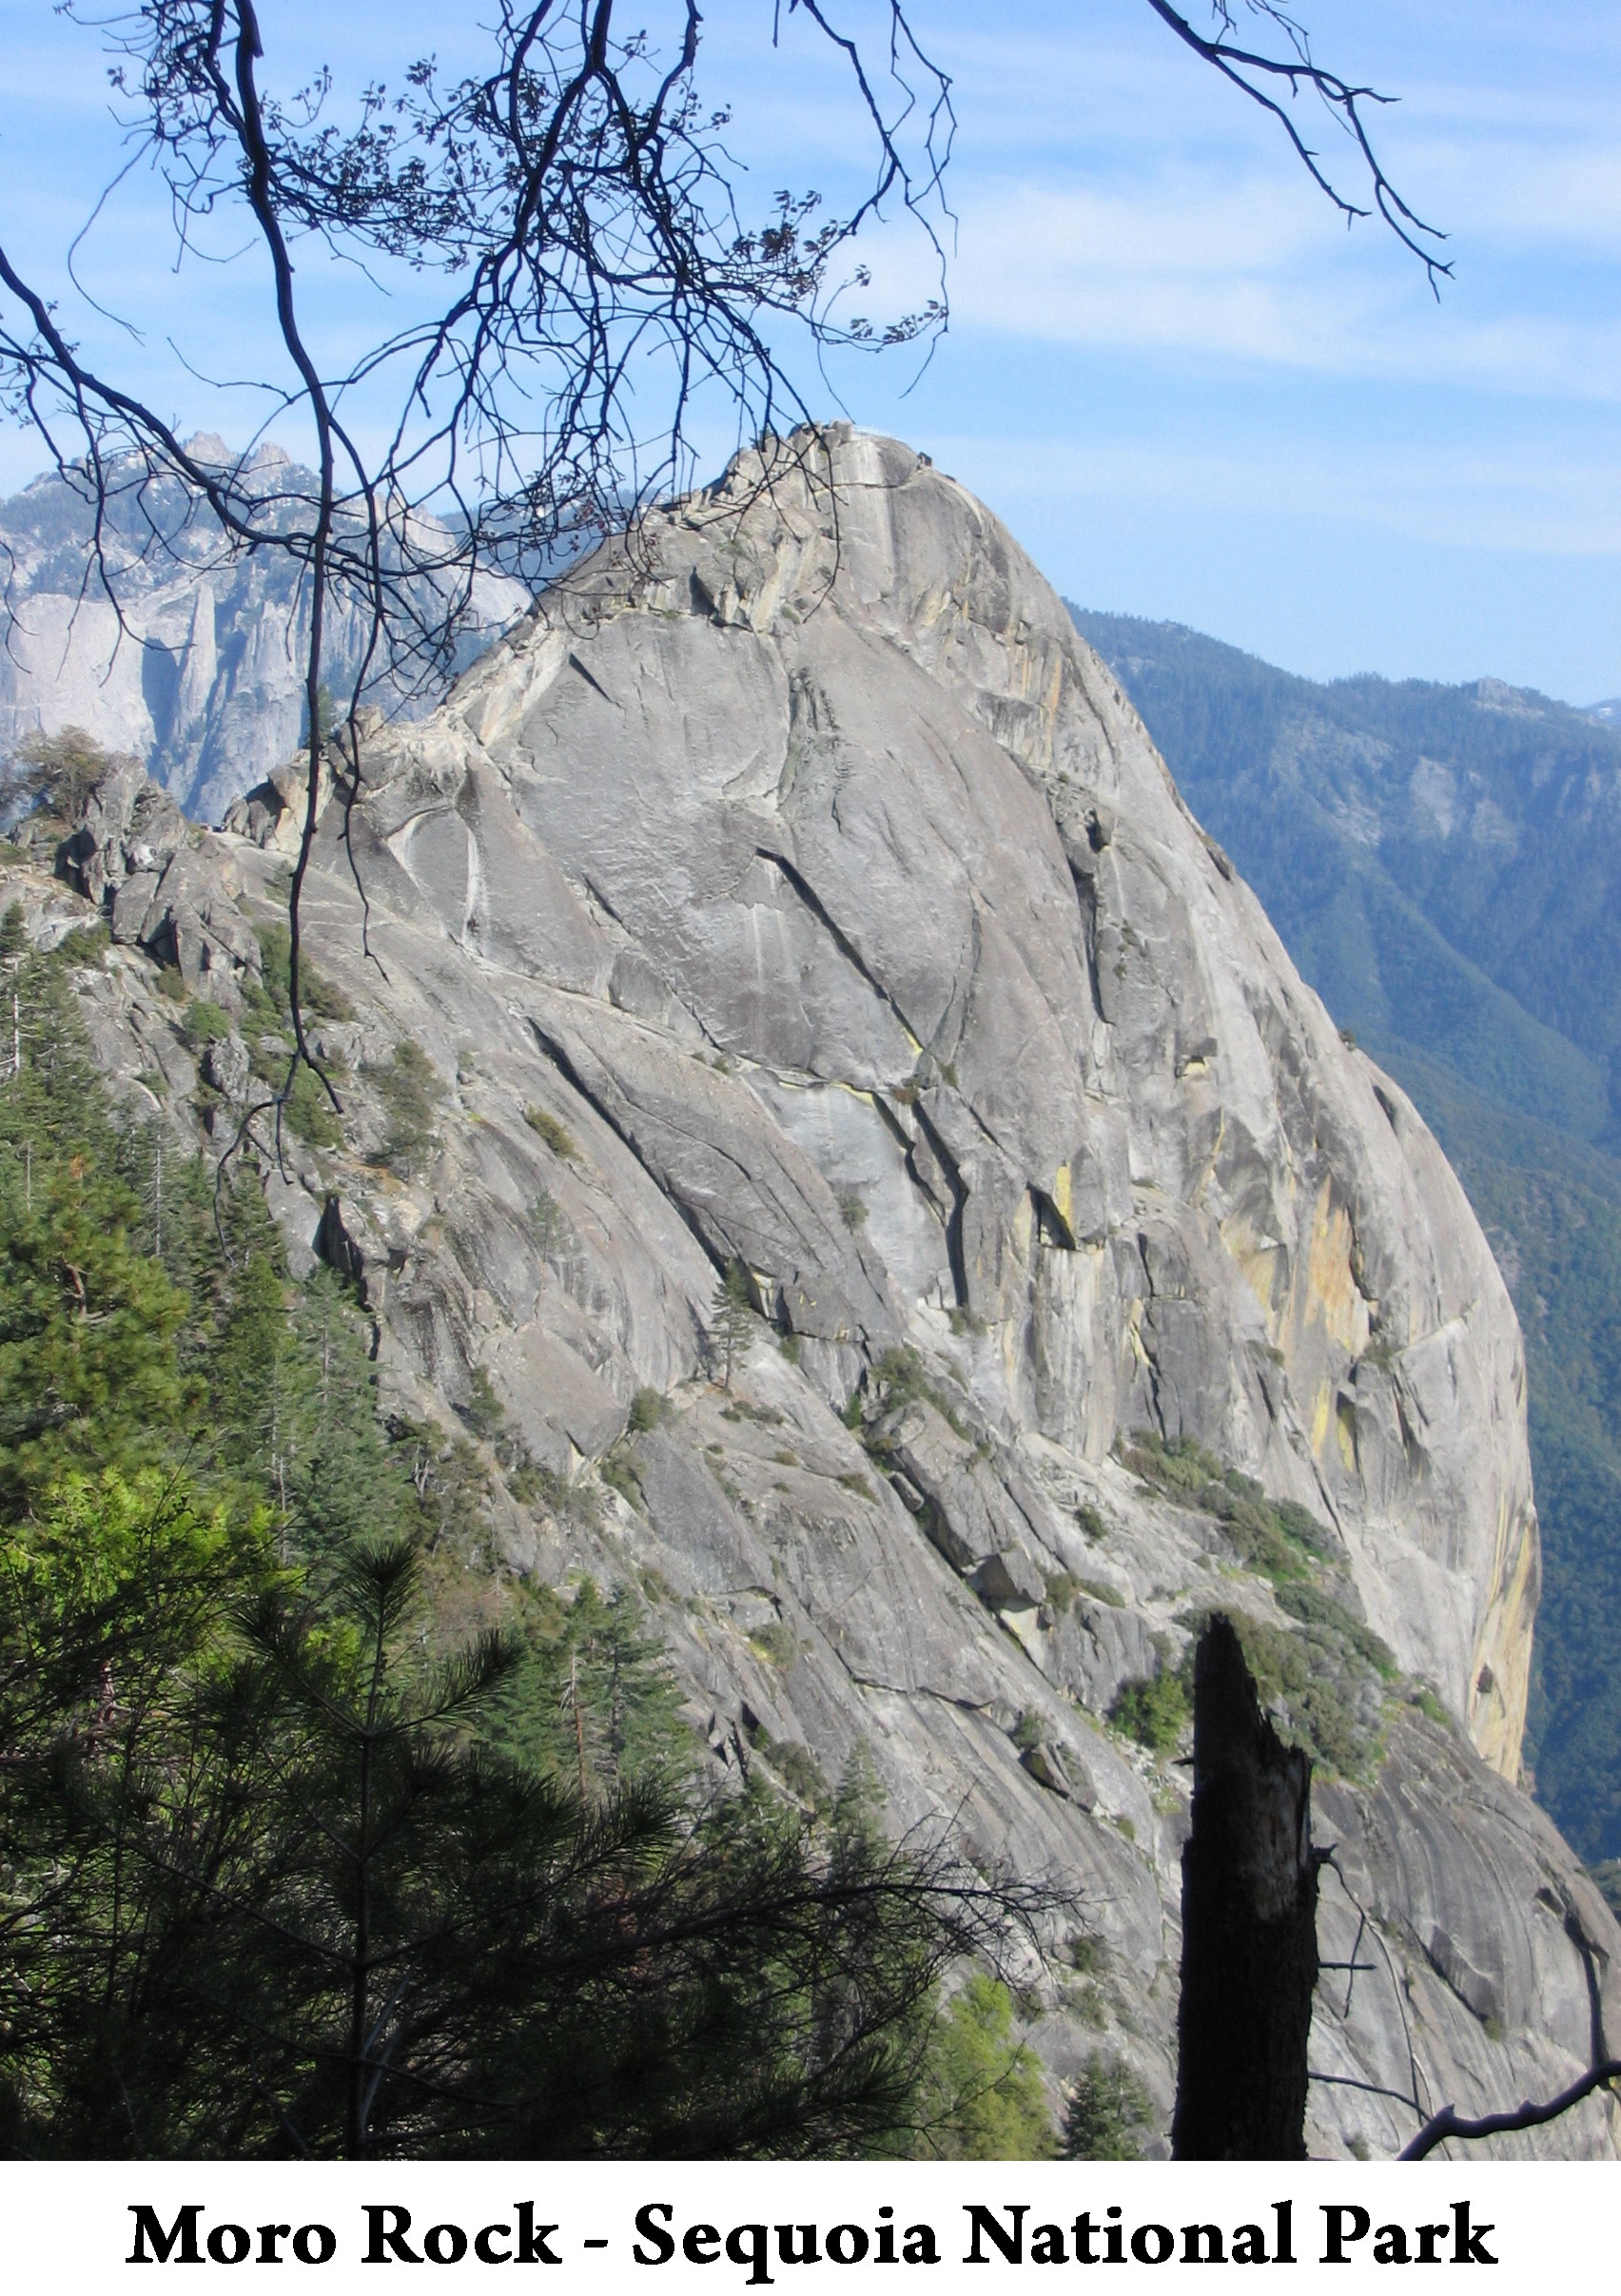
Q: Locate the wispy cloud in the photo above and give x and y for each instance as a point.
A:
(1240, 271)
(1469, 499)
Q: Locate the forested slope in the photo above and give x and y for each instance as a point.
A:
(281, 1737)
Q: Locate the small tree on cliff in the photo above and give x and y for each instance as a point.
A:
(732, 1321)
(55, 773)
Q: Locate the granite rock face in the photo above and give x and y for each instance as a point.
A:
(202, 678)
(796, 889)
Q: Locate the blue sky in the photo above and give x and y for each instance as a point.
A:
(1188, 389)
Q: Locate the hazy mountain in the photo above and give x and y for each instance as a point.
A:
(203, 680)
(1444, 865)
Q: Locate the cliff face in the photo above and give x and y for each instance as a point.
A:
(202, 682)
(844, 781)
(798, 890)
(1444, 865)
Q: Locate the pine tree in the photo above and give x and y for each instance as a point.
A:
(1110, 2115)
(982, 2095)
(298, 1903)
(90, 1323)
(732, 1320)
(319, 1830)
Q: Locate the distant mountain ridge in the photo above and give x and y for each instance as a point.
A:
(1444, 862)
(204, 680)
(1444, 865)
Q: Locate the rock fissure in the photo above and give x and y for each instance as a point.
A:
(846, 948)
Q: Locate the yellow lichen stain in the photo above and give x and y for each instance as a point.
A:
(1332, 1294)
(1024, 1225)
(1258, 1259)
(1322, 1411)
(1063, 1198)
(932, 607)
(1500, 1664)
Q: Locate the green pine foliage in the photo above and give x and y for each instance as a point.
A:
(983, 2097)
(1155, 1709)
(322, 1831)
(409, 1090)
(1324, 1679)
(204, 1024)
(1276, 1537)
(593, 1698)
(1110, 2115)
(285, 1890)
(91, 1367)
(322, 999)
(554, 1132)
(55, 773)
(732, 1321)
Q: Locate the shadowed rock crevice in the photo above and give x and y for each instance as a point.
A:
(846, 948)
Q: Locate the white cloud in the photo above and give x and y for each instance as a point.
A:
(1468, 499)
(1250, 270)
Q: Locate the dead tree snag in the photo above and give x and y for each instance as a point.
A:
(1249, 1924)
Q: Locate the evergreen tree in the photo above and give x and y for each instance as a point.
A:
(111, 1597)
(308, 1910)
(982, 2095)
(342, 1479)
(89, 1322)
(1110, 2114)
(732, 1320)
(56, 772)
(594, 1699)
(319, 1830)
(409, 1089)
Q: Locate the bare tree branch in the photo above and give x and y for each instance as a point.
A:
(1249, 71)
(583, 209)
(1450, 2122)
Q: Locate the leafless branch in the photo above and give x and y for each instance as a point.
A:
(583, 210)
(1257, 75)
(1449, 2122)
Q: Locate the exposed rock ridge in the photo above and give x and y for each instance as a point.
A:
(797, 889)
(1108, 1052)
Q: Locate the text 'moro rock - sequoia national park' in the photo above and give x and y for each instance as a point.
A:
(792, 890)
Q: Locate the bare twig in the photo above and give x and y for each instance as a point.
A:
(1449, 2122)
(1250, 71)
(583, 210)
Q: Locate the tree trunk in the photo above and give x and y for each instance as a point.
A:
(1249, 1924)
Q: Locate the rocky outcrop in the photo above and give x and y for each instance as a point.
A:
(796, 889)
(198, 669)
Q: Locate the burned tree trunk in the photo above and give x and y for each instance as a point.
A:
(1249, 1924)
